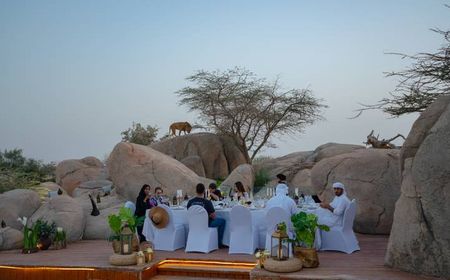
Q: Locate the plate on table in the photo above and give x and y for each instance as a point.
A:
(176, 207)
(218, 207)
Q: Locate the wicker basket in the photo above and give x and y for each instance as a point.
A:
(289, 265)
(308, 256)
(117, 259)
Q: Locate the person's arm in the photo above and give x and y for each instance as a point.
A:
(210, 209)
(327, 206)
(214, 196)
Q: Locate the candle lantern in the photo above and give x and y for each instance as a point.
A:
(126, 236)
(279, 243)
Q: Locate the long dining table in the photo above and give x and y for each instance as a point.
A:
(257, 216)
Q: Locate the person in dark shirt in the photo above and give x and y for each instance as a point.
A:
(213, 221)
(214, 193)
(142, 204)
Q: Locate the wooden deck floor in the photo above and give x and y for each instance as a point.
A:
(366, 264)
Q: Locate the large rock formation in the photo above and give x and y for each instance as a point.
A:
(243, 173)
(297, 166)
(70, 173)
(207, 154)
(420, 236)
(18, 203)
(371, 176)
(132, 165)
(10, 238)
(66, 212)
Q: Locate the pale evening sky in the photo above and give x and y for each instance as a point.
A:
(74, 74)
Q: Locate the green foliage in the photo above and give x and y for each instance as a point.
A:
(305, 225)
(16, 171)
(125, 216)
(261, 177)
(138, 134)
(219, 181)
(115, 223)
(60, 236)
(44, 229)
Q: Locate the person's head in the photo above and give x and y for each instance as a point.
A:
(239, 187)
(145, 190)
(200, 189)
(159, 191)
(212, 187)
(338, 188)
(281, 177)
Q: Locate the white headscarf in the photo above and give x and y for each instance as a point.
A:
(339, 185)
(281, 190)
(282, 200)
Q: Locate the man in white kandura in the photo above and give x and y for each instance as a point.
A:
(282, 200)
(331, 214)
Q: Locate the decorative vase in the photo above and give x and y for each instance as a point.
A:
(116, 246)
(44, 242)
(308, 256)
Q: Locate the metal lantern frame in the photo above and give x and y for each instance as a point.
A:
(126, 237)
(279, 245)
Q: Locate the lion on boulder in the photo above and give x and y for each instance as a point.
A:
(181, 126)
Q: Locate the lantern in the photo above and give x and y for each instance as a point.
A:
(279, 243)
(126, 236)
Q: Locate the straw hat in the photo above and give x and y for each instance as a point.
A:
(159, 217)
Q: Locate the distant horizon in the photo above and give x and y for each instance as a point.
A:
(75, 74)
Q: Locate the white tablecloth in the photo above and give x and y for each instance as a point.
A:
(258, 215)
(180, 217)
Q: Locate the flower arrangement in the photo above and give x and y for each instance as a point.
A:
(59, 241)
(140, 258)
(148, 254)
(261, 256)
(30, 236)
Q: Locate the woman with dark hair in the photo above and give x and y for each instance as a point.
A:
(214, 193)
(239, 191)
(142, 204)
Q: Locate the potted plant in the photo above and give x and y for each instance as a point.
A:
(305, 226)
(30, 237)
(45, 232)
(59, 241)
(115, 221)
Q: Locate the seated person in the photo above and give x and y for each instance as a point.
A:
(158, 198)
(213, 221)
(239, 192)
(214, 193)
(331, 214)
(281, 199)
(142, 204)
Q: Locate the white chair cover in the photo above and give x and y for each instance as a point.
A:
(201, 238)
(275, 216)
(130, 205)
(170, 238)
(243, 236)
(342, 238)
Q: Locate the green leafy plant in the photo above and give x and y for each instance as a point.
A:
(262, 177)
(44, 229)
(305, 225)
(125, 216)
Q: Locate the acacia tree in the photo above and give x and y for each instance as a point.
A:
(248, 109)
(420, 84)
